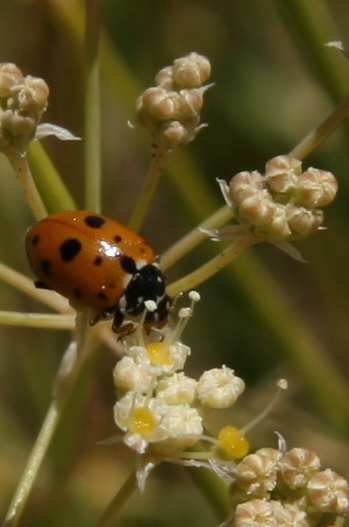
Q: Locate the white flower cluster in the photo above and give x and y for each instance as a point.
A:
(160, 409)
(160, 414)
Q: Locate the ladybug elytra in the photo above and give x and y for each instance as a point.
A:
(98, 263)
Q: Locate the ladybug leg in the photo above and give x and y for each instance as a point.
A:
(102, 315)
(41, 285)
(117, 320)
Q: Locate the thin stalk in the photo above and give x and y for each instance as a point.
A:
(37, 320)
(194, 237)
(322, 132)
(150, 184)
(118, 501)
(48, 181)
(92, 107)
(71, 366)
(211, 267)
(25, 178)
(24, 284)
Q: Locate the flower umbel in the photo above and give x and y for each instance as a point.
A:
(23, 100)
(273, 487)
(160, 409)
(161, 413)
(282, 205)
(170, 111)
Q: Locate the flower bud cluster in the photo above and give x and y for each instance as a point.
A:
(22, 103)
(283, 204)
(285, 488)
(170, 111)
(160, 409)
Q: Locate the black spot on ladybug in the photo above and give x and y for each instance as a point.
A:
(102, 296)
(78, 293)
(117, 238)
(95, 222)
(128, 264)
(41, 285)
(98, 260)
(69, 249)
(45, 267)
(35, 239)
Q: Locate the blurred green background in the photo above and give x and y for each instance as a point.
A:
(266, 316)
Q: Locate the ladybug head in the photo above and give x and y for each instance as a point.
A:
(147, 283)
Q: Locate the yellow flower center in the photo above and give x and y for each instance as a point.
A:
(158, 354)
(142, 422)
(233, 442)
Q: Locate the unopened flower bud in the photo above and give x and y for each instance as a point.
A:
(257, 473)
(303, 221)
(189, 104)
(17, 124)
(159, 103)
(191, 71)
(283, 163)
(174, 134)
(316, 188)
(129, 376)
(183, 425)
(245, 180)
(256, 207)
(177, 389)
(277, 227)
(281, 174)
(10, 76)
(329, 492)
(256, 513)
(219, 387)
(164, 78)
(297, 466)
(33, 98)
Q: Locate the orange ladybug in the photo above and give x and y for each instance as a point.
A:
(98, 263)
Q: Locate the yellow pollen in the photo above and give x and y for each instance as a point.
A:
(158, 354)
(233, 442)
(142, 422)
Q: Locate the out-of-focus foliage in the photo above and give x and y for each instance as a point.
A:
(274, 82)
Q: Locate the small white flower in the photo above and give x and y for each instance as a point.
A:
(219, 387)
(130, 376)
(177, 389)
(140, 417)
(183, 423)
(160, 358)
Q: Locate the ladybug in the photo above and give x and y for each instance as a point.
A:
(98, 263)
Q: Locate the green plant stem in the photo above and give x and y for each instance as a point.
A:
(323, 131)
(52, 190)
(118, 501)
(22, 169)
(152, 178)
(36, 320)
(92, 107)
(212, 267)
(70, 368)
(194, 237)
(26, 285)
